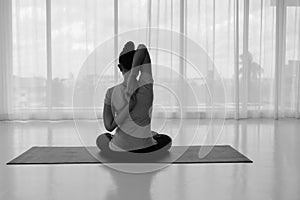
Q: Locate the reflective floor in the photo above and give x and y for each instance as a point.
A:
(272, 145)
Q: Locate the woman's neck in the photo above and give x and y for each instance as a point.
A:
(125, 77)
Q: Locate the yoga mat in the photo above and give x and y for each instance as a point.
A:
(177, 154)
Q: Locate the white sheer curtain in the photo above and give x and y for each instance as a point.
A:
(44, 43)
(5, 58)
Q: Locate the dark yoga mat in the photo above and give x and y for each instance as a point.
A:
(177, 154)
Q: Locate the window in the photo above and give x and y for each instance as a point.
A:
(45, 67)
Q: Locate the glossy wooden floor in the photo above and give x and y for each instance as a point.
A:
(274, 146)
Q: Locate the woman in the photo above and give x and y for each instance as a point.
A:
(128, 107)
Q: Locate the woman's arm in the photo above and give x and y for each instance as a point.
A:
(108, 118)
(146, 68)
(138, 60)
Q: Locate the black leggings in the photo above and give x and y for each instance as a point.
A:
(164, 143)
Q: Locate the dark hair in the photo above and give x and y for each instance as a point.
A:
(126, 56)
(126, 59)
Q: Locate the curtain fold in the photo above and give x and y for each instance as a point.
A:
(250, 52)
(5, 57)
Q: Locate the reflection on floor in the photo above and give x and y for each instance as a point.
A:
(272, 145)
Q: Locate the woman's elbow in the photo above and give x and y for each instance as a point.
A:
(109, 128)
(142, 46)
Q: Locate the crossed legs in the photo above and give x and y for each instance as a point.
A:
(164, 143)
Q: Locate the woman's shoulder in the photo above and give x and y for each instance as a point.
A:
(116, 91)
(115, 88)
(109, 91)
